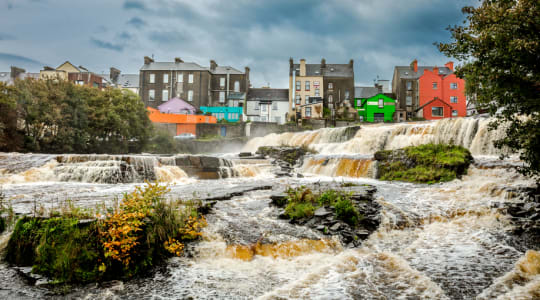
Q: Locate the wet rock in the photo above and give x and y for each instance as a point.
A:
(335, 227)
(321, 212)
(299, 175)
(245, 154)
(279, 200)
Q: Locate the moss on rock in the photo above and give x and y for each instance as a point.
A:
(428, 163)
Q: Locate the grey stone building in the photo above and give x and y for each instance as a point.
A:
(191, 82)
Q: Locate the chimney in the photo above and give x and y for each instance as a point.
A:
(148, 60)
(114, 74)
(302, 67)
(247, 69)
(15, 72)
(213, 65)
(323, 63)
(414, 65)
(436, 70)
(351, 63)
(47, 68)
(291, 66)
(450, 65)
(178, 60)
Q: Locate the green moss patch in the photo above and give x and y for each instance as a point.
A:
(428, 163)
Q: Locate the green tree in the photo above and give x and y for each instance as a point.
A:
(498, 46)
(10, 137)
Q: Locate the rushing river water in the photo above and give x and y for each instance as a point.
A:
(442, 241)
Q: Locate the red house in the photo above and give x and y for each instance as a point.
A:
(441, 95)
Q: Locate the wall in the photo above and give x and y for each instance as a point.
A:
(443, 91)
(258, 129)
(212, 146)
(372, 107)
(232, 130)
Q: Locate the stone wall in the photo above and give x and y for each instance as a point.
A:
(211, 146)
(258, 129)
(234, 130)
(168, 127)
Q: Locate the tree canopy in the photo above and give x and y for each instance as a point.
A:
(59, 116)
(498, 46)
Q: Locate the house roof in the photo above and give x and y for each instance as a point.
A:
(431, 101)
(236, 96)
(365, 91)
(177, 106)
(188, 66)
(124, 80)
(262, 94)
(406, 72)
(331, 70)
(5, 77)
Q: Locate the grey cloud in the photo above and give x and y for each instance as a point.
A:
(6, 37)
(7, 60)
(136, 22)
(107, 45)
(133, 4)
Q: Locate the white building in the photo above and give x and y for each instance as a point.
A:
(267, 105)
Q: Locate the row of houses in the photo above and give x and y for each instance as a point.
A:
(316, 91)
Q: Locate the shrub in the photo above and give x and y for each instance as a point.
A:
(299, 210)
(346, 211)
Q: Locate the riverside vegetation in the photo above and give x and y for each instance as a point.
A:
(428, 163)
(140, 232)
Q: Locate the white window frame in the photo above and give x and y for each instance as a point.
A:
(257, 106)
(151, 95)
(453, 99)
(222, 82)
(330, 99)
(308, 111)
(180, 77)
(263, 107)
(307, 85)
(330, 86)
(221, 97)
(274, 105)
(165, 95)
(298, 99)
(190, 96)
(454, 113)
(442, 111)
(152, 78)
(317, 92)
(409, 85)
(453, 86)
(237, 86)
(165, 78)
(190, 78)
(298, 85)
(346, 94)
(381, 103)
(434, 85)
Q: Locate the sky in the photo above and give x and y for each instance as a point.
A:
(99, 34)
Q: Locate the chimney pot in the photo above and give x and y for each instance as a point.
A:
(450, 65)
(148, 60)
(213, 65)
(178, 60)
(351, 63)
(414, 65)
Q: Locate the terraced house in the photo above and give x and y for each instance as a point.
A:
(215, 86)
(314, 87)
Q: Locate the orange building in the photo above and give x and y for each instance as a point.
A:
(441, 95)
(184, 123)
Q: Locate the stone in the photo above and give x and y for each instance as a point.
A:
(299, 175)
(335, 227)
(279, 199)
(320, 227)
(321, 212)
(245, 154)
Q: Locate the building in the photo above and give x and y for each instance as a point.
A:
(411, 94)
(122, 81)
(313, 87)
(9, 78)
(78, 75)
(200, 86)
(177, 106)
(178, 123)
(376, 108)
(268, 105)
(230, 114)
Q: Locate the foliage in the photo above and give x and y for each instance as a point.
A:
(138, 233)
(428, 163)
(326, 112)
(59, 116)
(302, 203)
(7, 215)
(499, 46)
(161, 142)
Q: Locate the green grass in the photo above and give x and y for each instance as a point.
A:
(428, 163)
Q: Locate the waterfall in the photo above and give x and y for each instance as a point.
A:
(346, 166)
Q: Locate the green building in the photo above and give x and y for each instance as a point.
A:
(377, 108)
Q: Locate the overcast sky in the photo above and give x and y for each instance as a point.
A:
(98, 34)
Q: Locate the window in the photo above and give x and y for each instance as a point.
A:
(317, 93)
(436, 111)
(190, 78)
(453, 99)
(222, 82)
(453, 86)
(151, 95)
(274, 105)
(190, 95)
(307, 85)
(277, 119)
(346, 94)
(358, 103)
(330, 85)
(165, 95)
(180, 77)
(152, 78)
(165, 78)
(298, 99)
(316, 84)
(381, 103)
(308, 111)
(237, 86)
(263, 107)
(307, 99)
(263, 119)
(408, 100)
(256, 105)
(454, 113)
(330, 99)
(298, 85)
(409, 85)
(434, 85)
(79, 82)
(221, 97)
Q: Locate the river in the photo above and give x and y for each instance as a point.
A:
(441, 241)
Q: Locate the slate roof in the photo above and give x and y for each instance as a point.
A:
(124, 80)
(331, 70)
(188, 66)
(365, 91)
(407, 72)
(236, 96)
(261, 94)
